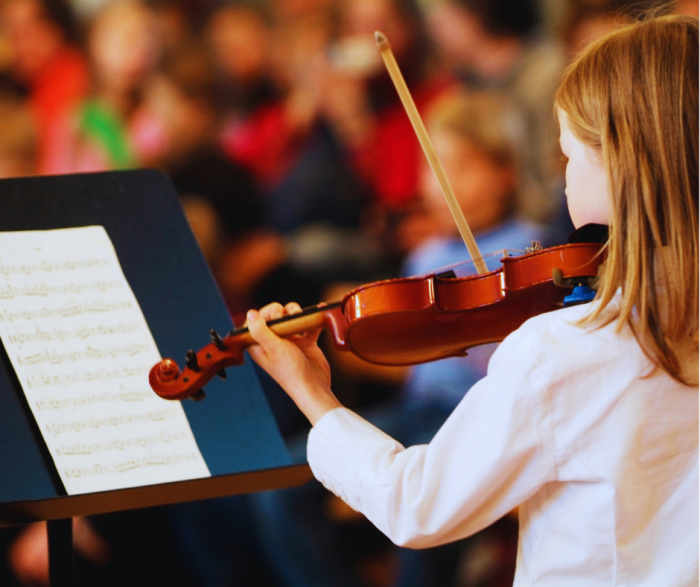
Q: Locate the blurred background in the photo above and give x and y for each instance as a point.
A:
(300, 176)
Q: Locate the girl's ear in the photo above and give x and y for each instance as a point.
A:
(595, 155)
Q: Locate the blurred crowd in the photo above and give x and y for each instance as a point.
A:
(300, 175)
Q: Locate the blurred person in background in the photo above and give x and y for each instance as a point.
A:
(18, 139)
(310, 537)
(177, 28)
(359, 100)
(499, 44)
(240, 39)
(28, 556)
(221, 200)
(44, 42)
(585, 22)
(123, 50)
(285, 10)
(310, 192)
(135, 548)
(689, 7)
(362, 107)
(297, 164)
(176, 110)
(338, 153)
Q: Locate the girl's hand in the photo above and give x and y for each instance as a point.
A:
(296, 363)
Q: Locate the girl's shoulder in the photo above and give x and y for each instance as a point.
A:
(557, 343)
(556, 325)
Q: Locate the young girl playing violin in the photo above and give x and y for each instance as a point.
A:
(588, 416)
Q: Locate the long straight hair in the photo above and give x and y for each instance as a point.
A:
(633, 95)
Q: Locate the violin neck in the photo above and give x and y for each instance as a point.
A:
(308, 318)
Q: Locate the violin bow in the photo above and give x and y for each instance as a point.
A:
(410, 106)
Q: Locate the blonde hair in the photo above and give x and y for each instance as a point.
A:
(633, 94)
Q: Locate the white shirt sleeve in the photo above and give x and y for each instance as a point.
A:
(494, 452)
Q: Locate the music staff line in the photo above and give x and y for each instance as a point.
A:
(44, 290)
(51, 403)
(59, 334)
(82, 448)
(57, 358)
(129, 465)
(63, 312)
(47, 267)
(40, 380)
(96, 423)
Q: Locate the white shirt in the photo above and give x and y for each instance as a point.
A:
(603, 462)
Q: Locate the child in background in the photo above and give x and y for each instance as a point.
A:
(124, 47)
(44, 41)
(588, 417)
(18, 140)
(340, 120)
(240, 40)
(501, 45)
(477, 140)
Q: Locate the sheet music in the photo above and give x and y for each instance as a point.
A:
(82, 351)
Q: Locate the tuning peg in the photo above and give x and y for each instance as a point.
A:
(191, 361)
(198, 396)
(217, 340)
(222, 374)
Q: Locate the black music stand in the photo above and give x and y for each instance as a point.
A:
(234, 427)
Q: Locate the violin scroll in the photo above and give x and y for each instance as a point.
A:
(170, 382)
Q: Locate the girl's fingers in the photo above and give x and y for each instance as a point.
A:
(272, 311)
(276, 310)
(257, 327)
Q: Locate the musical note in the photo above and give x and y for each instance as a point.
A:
(48, 267)
(90, 353)
(144, 441)
(52, 403)
(130, 464)
(40, 380)
(96, 423)
(59, 334)
(63, 311)
(45, 290)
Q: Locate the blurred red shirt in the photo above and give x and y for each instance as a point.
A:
(388, 161)
(54, 95)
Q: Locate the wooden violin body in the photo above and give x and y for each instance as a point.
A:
(410, 320)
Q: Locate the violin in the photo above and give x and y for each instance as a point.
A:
(410, 320)
(416, 319)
